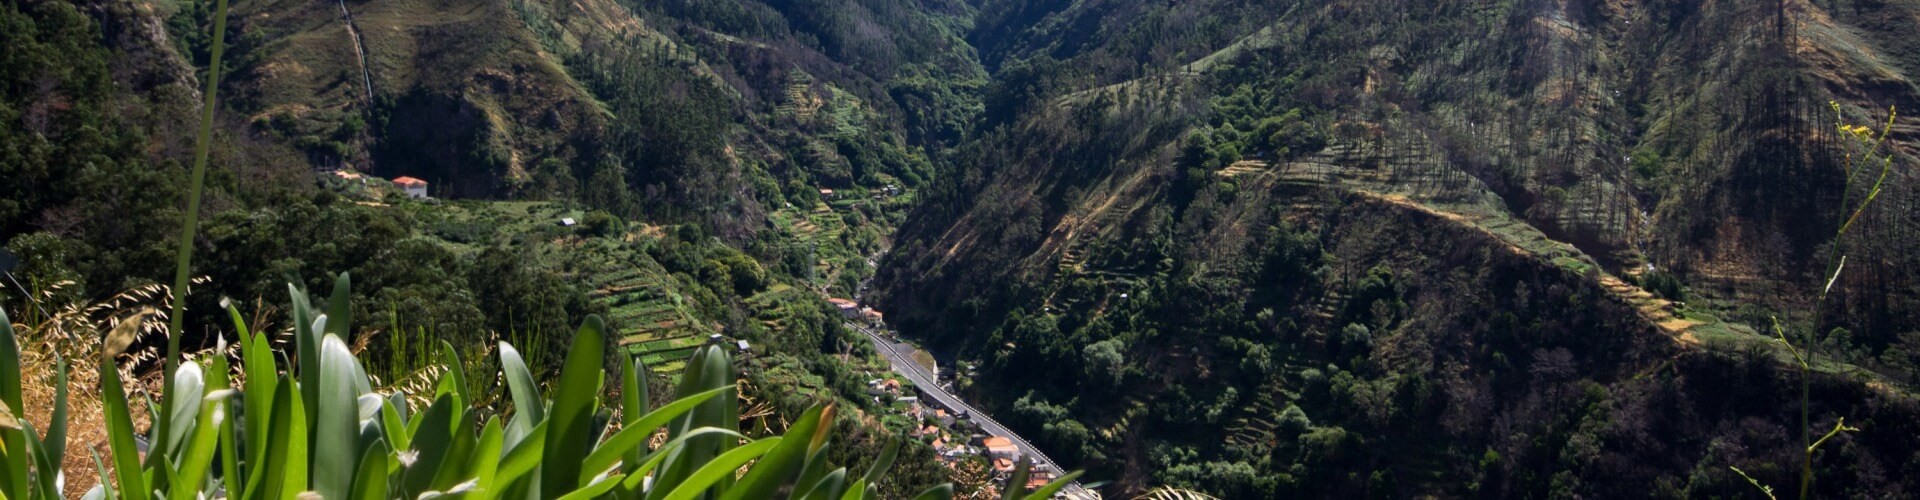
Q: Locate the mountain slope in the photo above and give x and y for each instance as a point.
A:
(1263, 214)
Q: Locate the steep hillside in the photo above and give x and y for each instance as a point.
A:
(733, 107)
(1370, 210)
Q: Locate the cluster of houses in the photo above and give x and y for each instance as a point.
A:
(955, 443)
(413, 187)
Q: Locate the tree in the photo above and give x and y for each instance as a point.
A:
(1104, 361)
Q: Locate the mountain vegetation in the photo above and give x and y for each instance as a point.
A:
(1252, 249)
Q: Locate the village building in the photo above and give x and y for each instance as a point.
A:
(1001, 447)
(847, 308)
(415, 188)
(826, 194)
(871, 316)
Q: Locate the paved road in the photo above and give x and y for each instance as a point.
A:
(900, 355)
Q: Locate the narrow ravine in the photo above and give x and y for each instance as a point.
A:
(359, 49)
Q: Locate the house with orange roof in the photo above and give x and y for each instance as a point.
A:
(1001, 447)
(847, 308)
(415, 188)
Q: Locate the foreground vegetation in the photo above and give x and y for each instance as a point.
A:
(258, 429)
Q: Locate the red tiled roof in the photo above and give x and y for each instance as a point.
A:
(408, 181)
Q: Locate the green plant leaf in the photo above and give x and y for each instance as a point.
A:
(884, 462)
(1017, 483)
(370, 481)
(828, 487)
(306, 343)
(709, 368)
(432, 441)
(393, 425)
(486, 455)
(56, 440)
(219, 381)
(340, 309)
(196, 458)
(571, 434)
(454, 381)
(781, 463)
(1046, 492)
(670, 452)
(100, 468)
(285, 473)
(13, 455)
(262, 380)
(633, 403)
(126, 458)
(860, 489)
(336, 454)
(190, 382)
(941, 492)
(10, 391)
(814, 467)
(35, 457)
(528, 409)
(596, 489)
(522, 458)
(636, 433)
(720, 467)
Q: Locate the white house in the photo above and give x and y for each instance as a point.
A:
(415, 188)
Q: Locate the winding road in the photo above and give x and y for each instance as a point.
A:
(900, 355)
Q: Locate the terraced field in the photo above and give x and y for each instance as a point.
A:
(653, 320)
(819, 227)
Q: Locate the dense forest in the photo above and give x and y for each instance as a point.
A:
(1251, 249)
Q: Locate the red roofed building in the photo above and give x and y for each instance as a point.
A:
(847, 308)
(1000, 447)
(415, 188)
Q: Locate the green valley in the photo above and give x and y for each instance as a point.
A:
(960, 248)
